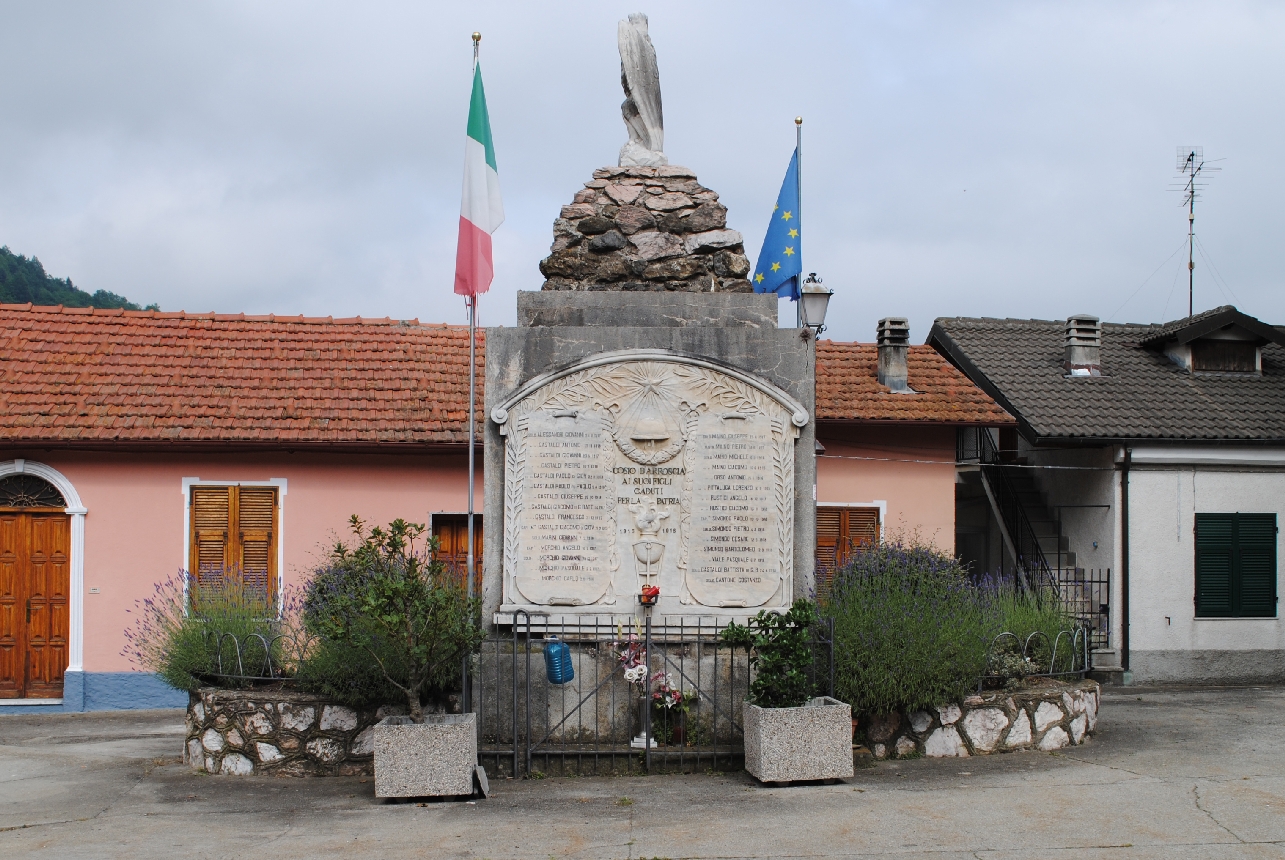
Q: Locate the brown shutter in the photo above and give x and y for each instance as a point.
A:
(256, 517)
(863, 527)
(211, 507)
(840, 531)
(830, 538)
(451, 531)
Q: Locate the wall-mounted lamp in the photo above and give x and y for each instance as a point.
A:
(814, 300)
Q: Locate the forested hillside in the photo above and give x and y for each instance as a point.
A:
(24, 280)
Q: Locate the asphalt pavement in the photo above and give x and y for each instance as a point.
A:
(1172, 773)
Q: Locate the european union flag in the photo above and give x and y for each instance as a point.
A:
(780, 265)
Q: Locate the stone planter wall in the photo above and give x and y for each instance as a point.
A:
(241, 732)
(1040, 718)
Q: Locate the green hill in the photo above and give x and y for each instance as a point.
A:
(24, 280)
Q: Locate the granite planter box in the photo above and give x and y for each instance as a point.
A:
(434, 758)
(811, 742)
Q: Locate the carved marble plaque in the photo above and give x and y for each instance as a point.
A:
(736, 533)
(651, 471)
(565, 524)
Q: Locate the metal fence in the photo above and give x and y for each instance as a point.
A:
(600, 722)
(1086, 596)
(1010, 657)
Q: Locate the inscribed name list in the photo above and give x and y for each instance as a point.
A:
(568, 503)
(735, 552)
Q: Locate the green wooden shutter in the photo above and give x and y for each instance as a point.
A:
(1215, 545)
(1256, 544)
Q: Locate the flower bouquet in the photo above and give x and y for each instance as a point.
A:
(669, 708)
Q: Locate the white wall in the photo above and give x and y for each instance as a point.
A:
(1167, 640)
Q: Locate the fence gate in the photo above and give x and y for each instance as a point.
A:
(680, 709)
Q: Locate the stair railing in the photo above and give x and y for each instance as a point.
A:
(1026, 546)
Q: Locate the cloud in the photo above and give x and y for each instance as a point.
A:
(1003, 159)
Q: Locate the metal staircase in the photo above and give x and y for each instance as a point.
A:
(1030, 531)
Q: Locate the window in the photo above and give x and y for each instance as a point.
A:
(1231, 356)
(1236, 565)
(28, 491)
(840, 531)
(235, 529)
(451, 531)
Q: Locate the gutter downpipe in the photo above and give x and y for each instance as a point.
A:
(1124, 565)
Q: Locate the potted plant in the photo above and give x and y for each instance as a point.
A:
(400, 606)
(789, 734)
(669, 709)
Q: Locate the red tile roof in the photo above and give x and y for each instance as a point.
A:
(81, 375)
(89, 376)
(847, 389)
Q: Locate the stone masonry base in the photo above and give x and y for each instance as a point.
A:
(242, 732)
(1046, 718)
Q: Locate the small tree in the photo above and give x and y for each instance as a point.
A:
(780, 649)
(398, 605)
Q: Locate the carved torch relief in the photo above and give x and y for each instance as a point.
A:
(649, 472)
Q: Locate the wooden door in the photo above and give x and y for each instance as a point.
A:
(13, 605)
(35, 579)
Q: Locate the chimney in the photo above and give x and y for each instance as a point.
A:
(1083, 346)
(894, 344)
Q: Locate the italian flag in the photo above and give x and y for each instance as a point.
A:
(481, 211)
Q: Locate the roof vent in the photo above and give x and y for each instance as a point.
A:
(1083, 346)
(894, 345)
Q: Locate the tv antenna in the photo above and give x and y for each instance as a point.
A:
(1191, 165)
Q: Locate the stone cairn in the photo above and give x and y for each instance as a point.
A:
(646, 228)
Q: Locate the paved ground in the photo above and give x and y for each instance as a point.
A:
(1172, 773)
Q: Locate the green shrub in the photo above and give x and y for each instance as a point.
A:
(780, 648)
(385, 608)
(1032, 616)
(910, 629)
(348, 674)
(179, 631)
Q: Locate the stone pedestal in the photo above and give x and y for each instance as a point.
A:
(647, 422)
(639, 438)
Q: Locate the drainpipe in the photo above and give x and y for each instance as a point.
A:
(1124, 563)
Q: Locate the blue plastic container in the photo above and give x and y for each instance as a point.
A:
(557, 661)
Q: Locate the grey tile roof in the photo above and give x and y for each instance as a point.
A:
(1189, 328)
(1140, 395)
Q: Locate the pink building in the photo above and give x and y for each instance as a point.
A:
(137, 444)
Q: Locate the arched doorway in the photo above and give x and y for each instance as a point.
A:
(35, 586)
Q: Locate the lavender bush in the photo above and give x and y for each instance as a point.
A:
(911, 630)
(178, 631)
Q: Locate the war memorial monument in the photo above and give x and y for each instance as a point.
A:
(647, 422)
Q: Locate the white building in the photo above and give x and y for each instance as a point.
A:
(1156, 452)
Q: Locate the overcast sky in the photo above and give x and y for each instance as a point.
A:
(996, 159)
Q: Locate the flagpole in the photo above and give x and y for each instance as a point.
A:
(466, 693)
(798, 190)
